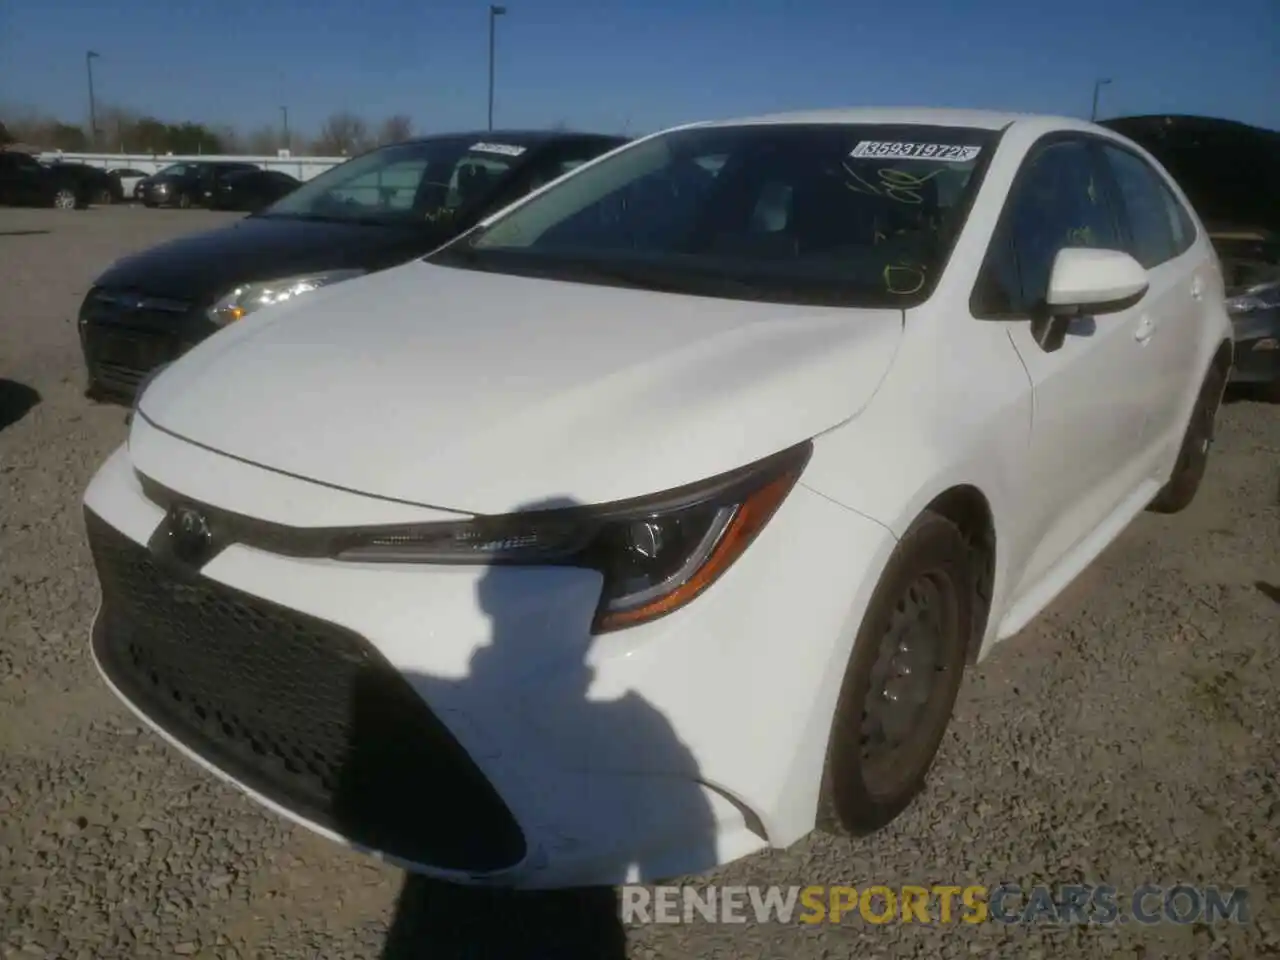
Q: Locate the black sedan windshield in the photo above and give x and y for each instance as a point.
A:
(429, 180)
(838, 214)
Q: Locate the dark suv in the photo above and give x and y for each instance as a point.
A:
(185, 184)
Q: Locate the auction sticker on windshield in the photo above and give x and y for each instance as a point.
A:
(506, 149)
(950, 153)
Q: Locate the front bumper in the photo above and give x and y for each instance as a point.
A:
(125, 335)
(1257, 347)
(462, 722)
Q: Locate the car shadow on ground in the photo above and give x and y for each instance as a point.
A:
(22, 233)
(16, 399)
(442, 920)
(1269, 590)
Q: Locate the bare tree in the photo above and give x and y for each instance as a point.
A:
(395, 129)
(343, 133)
(230, 139)
(118, 125)
(264, 141)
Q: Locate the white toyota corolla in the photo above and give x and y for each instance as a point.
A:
(654, 521)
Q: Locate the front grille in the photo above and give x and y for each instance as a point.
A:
(304, 712)
(128, 334)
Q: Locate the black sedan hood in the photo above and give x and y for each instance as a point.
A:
(202, 267)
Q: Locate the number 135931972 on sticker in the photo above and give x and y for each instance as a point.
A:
(950, 153)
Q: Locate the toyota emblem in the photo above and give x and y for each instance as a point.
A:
(190, 533)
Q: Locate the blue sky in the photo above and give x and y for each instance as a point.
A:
(611, 65)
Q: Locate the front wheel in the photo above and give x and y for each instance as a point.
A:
(901, 683)
(64, 198)
(1193, 455)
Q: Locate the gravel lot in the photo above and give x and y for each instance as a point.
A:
(1129, 736)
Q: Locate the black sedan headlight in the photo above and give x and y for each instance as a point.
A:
(656, 554)
(1264, 296)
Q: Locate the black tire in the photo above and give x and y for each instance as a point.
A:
(64, 198)
(857, 798)
(1193, 455)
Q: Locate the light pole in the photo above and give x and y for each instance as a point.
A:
(284, 113)
(494, 13)
(89, 57)
(1097, 85)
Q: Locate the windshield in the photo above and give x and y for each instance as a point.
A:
(430, 180)
(835, 214)
(172, 170)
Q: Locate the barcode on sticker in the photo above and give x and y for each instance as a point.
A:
(895, 150)
(506, 149)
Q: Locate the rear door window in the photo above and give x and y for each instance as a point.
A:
(1158, 231)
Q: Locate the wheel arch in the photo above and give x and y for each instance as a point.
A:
(969, 509)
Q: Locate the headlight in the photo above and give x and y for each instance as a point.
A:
(655, 553)
(1265, 296)
(242, 301)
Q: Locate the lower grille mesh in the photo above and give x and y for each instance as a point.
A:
(302, 711)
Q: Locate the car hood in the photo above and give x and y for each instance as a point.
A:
(203, 266)
(482, 393)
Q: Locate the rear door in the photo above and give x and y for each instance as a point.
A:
(1092, 389)
(1161, 236)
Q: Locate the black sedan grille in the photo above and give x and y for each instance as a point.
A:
(304, 712)
(127, 334)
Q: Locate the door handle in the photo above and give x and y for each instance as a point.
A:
(1146, 329)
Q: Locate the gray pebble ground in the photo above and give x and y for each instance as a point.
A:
(1130, 735)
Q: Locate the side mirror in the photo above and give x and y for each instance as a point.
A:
(1087, 281)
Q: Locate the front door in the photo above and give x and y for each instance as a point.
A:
(1092, 389)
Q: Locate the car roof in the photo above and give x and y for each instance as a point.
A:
(924, 116)
(525, 138)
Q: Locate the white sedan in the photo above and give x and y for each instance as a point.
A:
(654, 521)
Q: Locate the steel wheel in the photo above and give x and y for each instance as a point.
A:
(65, 199)
(907, 676)
(184, 201)
(902, 679)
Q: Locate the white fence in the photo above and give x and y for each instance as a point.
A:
(304, 168)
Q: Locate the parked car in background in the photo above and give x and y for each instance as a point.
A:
(184, 184)
(1231, 173)
(654, 522)
(101, 188)
(249, 190)
(372, 212)
(25, 181)
(129, 179)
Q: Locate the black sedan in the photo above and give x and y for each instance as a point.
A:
(25, 181)
(375, 211)
(1231, 173)
(184, 184)
(249, 190)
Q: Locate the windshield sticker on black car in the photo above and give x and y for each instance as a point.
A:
(898, 150)
(506, 149)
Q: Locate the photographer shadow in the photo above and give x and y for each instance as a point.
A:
(440, 920)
